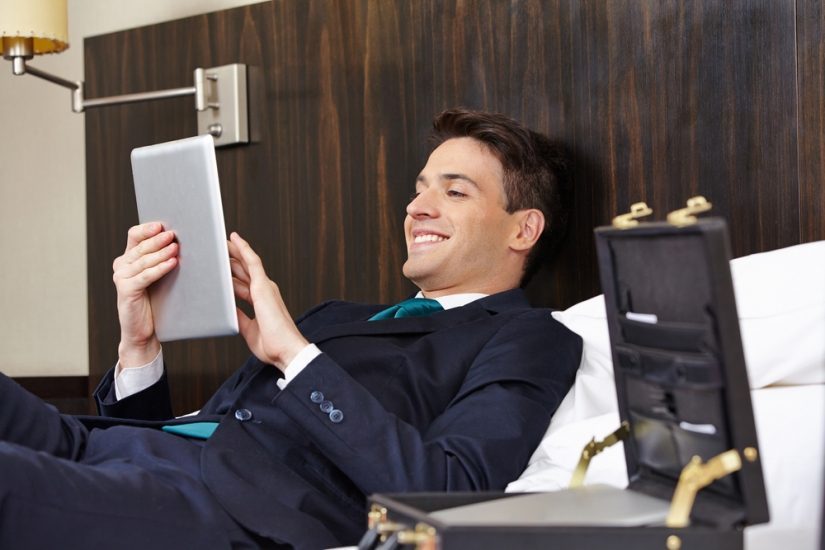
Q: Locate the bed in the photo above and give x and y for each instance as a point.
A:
(780, 298)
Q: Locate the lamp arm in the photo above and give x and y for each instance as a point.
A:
(34, 71)
(80, 104)
(140, 96)
(220, 93)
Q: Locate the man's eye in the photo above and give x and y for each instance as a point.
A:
(454, 193)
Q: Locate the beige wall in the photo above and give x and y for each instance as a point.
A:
(43, 314)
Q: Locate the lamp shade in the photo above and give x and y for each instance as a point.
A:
(44, 21)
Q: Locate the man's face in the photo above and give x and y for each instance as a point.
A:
(457, 230)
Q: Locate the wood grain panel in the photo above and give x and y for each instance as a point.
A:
(811, 85)
(656, 101)
(674, 99)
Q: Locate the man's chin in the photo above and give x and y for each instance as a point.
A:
(408, 271)
(414, 272)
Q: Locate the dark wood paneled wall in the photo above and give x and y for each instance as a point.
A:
(657, 100)
(810, 22)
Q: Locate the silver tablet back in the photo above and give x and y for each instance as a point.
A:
(176, 183)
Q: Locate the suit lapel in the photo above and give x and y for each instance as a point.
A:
(358, 315)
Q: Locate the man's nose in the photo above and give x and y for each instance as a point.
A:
(423, 205)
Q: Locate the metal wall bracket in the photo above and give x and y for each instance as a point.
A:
(225, 115)
(220, 94)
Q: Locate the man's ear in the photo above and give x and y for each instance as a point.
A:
(530, 228)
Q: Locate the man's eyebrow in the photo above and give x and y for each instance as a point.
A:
(464, 177)
(449, 176)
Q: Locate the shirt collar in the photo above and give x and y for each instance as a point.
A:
(455, 300)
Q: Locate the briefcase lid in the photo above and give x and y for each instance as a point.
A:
(680, 371)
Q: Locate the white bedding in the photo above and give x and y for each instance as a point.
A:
(781, 303)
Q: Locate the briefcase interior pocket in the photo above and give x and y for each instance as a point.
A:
(668, 335)
(671, 368)
(674, 423)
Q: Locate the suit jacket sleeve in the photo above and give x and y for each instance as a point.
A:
(484, 438)
(153, 403)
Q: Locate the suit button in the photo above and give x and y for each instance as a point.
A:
(316, 396)
(326, 407)
(336, 416)
(243, 414)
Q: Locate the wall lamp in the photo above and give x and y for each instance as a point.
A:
(35, 27)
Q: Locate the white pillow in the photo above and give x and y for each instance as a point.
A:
(780, 296)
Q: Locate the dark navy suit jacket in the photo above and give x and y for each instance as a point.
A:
(451, 402)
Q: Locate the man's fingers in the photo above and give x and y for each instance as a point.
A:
(241, 290)
(139, 233)
(151, 274)
(125, 269)
(148, 246)
(250, 260)
(238, 270)
(233, 249)
(237, 262)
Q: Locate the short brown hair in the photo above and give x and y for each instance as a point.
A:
(535, 171)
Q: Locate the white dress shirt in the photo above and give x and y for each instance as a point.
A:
(131, 381)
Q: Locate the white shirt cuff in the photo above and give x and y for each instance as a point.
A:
(299, 363)
(131, 381)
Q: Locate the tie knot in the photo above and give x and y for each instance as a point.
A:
(414, 307)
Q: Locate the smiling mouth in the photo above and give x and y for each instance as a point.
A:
(429, 238)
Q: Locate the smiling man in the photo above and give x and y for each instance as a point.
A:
(458, 225)
(450, 391)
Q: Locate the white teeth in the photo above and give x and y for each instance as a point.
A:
(429, 239)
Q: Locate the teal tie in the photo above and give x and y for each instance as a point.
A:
(414, 307)
(195, 430)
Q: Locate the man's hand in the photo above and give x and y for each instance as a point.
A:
(272, 335)
(150, 254)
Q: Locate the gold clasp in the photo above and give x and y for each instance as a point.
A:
(592, 449)
(637, 210)
(695, 476)
(377, 521)
(686, 216)
(424, 537)
(376, 515)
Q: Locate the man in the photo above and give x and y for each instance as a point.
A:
(332, 407)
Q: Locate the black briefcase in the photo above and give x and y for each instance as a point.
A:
(695, 478)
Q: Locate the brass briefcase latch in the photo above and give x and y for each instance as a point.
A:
(380, 528)
(592, 449)
(631, 219)
(423, 537)
(695, 476)
(687, 216)
(376, 516)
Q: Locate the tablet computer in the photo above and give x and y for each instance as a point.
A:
(176, 183)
